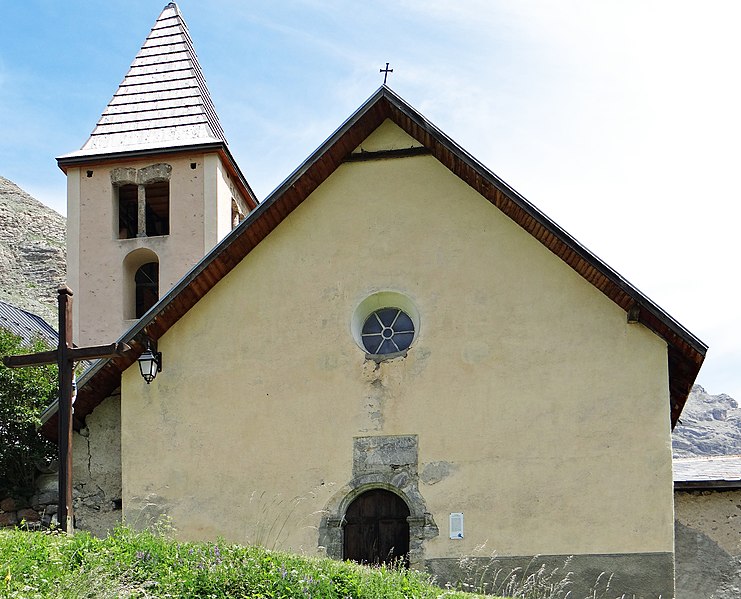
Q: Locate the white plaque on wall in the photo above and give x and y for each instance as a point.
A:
(456, 525)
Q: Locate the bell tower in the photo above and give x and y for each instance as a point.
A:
(152, 190)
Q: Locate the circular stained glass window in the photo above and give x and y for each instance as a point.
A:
(387, 331)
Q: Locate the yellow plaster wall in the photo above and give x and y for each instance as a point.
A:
(550, 411)
(97, 273)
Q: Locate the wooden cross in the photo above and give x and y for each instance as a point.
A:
(65, 357)
(385, 72)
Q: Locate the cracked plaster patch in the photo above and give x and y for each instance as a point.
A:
(434, 472)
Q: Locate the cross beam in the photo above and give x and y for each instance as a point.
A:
(65, 357)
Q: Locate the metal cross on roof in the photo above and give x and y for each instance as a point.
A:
(385, 72)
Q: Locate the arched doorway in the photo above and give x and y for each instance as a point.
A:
(376, 528)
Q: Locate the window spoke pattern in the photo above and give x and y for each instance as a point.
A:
(387, 331)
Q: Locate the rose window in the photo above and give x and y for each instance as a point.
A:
(387, 331)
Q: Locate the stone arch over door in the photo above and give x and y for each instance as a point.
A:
(388, 463)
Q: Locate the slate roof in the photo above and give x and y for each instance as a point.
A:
(723, 471)
(162, 101)
(162, 106)
(27, 325)
(685, 352)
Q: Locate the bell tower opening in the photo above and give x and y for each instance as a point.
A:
(157, 207)
(127, 211)
(143, 208)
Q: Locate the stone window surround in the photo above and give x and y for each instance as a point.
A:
(154, 173)
(378, 300)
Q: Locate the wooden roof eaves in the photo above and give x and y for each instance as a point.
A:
(326, 158)
(592, 268)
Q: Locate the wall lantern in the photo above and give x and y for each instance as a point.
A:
(150, 363)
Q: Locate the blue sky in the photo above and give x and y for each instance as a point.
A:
(618, 119)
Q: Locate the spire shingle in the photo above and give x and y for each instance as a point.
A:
(163, 101)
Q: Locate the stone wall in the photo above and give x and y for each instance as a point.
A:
(36, 511)
(708, 544)
(96, 470)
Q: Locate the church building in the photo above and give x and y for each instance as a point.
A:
(394, 356)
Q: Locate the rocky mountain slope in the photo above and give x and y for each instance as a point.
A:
(32, 252)
(709, 425)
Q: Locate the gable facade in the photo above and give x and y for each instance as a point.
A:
(516, 404)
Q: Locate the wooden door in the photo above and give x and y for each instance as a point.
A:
(376, 529)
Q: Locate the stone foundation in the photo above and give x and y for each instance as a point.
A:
(610, 576)
(37, 512)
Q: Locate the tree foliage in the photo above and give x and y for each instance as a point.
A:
(24, 393)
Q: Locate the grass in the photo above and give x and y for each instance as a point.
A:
(147, 564)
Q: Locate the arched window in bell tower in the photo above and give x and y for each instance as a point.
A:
(147, 282)
(142, 197)
(141, 291)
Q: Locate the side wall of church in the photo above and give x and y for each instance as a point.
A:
(526, 402)
(96, 468)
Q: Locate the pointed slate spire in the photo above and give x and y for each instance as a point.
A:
(163, 101)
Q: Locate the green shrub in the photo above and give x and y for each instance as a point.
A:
(24, 393)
